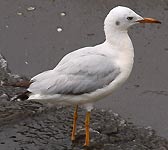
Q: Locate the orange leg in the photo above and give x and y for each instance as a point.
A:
(87, 122)
(74, 123)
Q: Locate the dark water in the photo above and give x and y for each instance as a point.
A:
(30, 42)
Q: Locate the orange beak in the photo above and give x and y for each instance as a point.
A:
(148, 20)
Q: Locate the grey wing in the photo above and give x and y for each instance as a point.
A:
(83, 74)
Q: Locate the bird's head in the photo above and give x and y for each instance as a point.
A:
(121, 18)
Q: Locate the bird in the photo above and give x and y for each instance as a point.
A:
(89, 74)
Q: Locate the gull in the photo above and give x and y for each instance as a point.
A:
(89, 74)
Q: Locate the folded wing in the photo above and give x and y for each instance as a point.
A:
(84, 73)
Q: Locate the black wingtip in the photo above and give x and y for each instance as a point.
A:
(22, 97)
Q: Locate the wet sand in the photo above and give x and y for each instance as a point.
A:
(30, 42)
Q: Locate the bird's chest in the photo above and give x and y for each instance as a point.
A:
(125, 62)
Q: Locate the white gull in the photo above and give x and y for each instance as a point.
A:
(91, 73)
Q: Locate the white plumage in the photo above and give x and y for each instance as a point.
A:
(91, 73)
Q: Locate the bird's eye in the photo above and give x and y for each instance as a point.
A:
(129, 18)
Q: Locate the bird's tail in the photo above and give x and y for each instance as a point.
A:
(22, 97)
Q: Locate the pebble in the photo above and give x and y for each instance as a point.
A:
(31, 8)
(63, 14)
(59, 29)
(19, 13)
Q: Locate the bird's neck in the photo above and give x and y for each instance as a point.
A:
(116, 37)
(119, 39)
